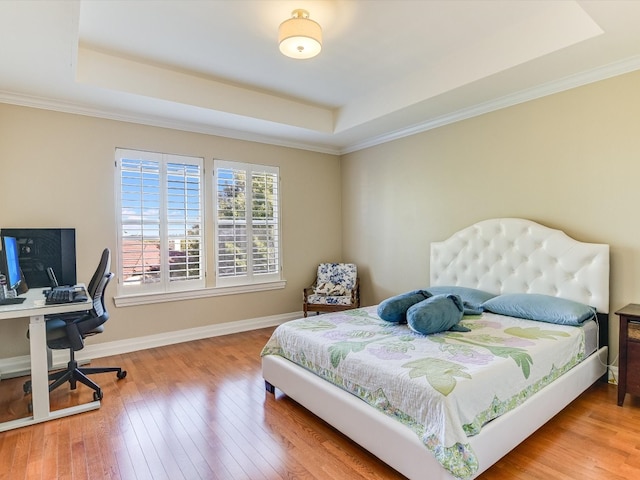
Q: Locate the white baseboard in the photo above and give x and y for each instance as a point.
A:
(19, 366)
(14, 366)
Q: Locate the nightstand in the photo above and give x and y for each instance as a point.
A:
(629, 352)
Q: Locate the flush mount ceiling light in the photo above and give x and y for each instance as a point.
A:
(300, 37)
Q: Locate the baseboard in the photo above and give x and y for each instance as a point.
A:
(14, 366)
(20, 366)
(612, 374)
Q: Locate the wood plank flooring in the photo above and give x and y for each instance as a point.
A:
(199, 410)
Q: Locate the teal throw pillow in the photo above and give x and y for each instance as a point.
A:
(436, 314)
(394, 309)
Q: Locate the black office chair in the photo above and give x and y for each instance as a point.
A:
(68, 331)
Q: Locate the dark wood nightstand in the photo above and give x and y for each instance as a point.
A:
(629, 353)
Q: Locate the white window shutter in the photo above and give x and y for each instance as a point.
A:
(247, 223)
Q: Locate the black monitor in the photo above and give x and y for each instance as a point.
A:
(45, 250)
(10, 263)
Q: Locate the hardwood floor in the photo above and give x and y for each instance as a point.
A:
(199, 410)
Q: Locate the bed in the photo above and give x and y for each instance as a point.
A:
(498, 256)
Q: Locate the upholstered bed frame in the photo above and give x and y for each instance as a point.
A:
(498, 256)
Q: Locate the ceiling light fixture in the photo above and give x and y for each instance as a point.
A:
(300, 37)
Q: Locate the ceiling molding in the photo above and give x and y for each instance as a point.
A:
(208, 68)
(584, 78)
(153, 121)
(574, 81)
(116, 73)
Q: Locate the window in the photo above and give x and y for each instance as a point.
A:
(159, 222)
(247, 223)
(161, 200)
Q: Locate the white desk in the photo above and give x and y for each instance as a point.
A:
(34, 308)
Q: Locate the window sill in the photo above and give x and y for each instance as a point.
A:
(149, 298)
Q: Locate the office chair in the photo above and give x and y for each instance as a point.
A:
(68, 331)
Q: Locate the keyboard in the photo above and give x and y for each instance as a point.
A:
(58, 296)
(12, 301)
(64, 295)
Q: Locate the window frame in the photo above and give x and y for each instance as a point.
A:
(251, 277)
(210, 285)
(165, 284)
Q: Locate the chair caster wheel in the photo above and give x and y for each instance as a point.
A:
(97, 395)
(30, 407)
(121, 374)
(27, 387)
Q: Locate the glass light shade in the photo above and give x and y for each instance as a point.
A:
(300, 37)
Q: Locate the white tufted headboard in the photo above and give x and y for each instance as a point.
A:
(512, 255)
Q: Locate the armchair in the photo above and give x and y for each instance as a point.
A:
(336, 288)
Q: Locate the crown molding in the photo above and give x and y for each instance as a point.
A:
(154, 121)
(574, 81)
(591, 76)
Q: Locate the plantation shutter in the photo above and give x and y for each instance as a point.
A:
(184, 220)
(160, 217)
(247, 223)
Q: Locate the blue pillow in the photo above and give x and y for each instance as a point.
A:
(472, 297)
(436, 314)
(394, 309)
(545, 308)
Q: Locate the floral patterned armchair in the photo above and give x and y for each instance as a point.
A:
(336, 288)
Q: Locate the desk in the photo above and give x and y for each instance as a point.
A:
(38, 354)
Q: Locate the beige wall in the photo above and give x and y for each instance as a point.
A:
(57, 170)
(569, 161)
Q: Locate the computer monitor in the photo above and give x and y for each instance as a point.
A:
(9, 262)
(45, 250)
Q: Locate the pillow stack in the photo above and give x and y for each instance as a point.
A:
(434, 310)
(441, 308)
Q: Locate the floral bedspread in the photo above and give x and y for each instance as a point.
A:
(444, 387)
